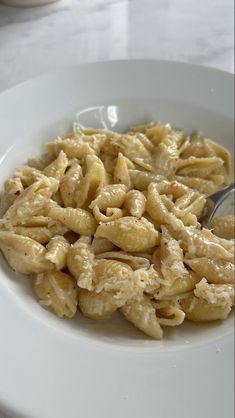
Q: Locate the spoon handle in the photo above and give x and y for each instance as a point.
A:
(213, 203)
(215, 197)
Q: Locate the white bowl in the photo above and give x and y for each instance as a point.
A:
(53, 368)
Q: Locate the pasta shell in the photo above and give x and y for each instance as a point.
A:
(165, 157)
(118, 279)
(203, 243)
(111, 214)
(129, 233)
(170, 316)
(218, 294)
(80, 261)
(133, 261)
(95, 140)
(37, 220)
(141, 179)
(157, 132)
(121, 171)
(57, 168)
(95, 178)
(28, 175)
(32, 201)
(111, 196)
(143, 316)
(155, 206)
(131, 147)
(12, 189)
(147, 143)
(57, 250)
(135, 203)
(96, 305)
(199, 310)
(40, 234)
(223, 226)
(78, 220)
(24, 254)
(176, 288)
(206, 187)
(101, 245)
(215, 271)
(221, 152)
(56, 290)
(171, 254)
(73, 148)
(198, 167)
(69, 184)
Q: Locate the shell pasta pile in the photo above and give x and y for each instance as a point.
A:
(107, 221)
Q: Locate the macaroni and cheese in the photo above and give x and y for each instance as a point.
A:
(107, 221)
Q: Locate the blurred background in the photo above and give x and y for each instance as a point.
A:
(70, 32)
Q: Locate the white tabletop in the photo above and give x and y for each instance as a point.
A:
(69, 32)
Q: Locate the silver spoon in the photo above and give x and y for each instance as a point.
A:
(215, 201)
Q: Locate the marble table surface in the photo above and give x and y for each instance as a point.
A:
(69, 32)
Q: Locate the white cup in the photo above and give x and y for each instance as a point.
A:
(27, 3)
